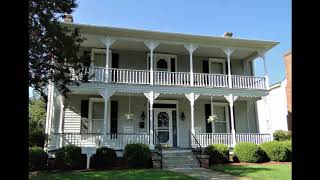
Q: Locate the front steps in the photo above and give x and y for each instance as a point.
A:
(179, 159)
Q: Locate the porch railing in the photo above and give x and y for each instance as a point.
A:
(116, 141)
(207, 139)
(130, 76)
(248, 82)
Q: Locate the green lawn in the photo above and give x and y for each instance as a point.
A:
(257, 171)
(144, 174)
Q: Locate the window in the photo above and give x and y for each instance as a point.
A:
(97, 117)
(222, 123)
(217, 66)
(99, 60)
(162, 65)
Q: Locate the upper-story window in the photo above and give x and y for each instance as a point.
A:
(162, 65)
(98, 57)
(217, 66)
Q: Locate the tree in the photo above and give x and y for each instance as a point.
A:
(37, 116)
(53, 48)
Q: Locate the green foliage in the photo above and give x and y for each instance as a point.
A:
(137, 155)
(288, 146)
(70, 157)
(104, 158)
(276, 151)
(37, 115)
(53, 47)
(218, 153)
(249, 152)
(281, 135)
(37, 159)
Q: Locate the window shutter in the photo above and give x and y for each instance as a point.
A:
(84, 116)
(87, 58)
(173, 64)
(114, 117)
(115, 60)
(205, 66)
(207, 111)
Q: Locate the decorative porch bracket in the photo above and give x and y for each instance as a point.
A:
(192, 97)
(228, 52)
(151, 97)
(107, 41)
(106, 94)
(151, 45)
(262, 54)
(191, 48)
(231, 99)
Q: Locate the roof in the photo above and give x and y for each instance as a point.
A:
(170, 36)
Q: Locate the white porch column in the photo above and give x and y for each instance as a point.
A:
(151, 97)
(228, 52)
(192, 98)
(151, 45)
(106, 94)
(48, 116)
(61, 119)
(231, 98)
(107, 41)
(262, 54)
(191, 48)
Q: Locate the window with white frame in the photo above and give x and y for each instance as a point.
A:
(99, 57)
(217, 66)
(97, 117)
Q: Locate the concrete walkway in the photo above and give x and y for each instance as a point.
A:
(205, 174)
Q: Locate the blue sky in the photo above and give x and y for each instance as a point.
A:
(253, 19)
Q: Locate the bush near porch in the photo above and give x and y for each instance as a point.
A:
(104, 158)
(70, 157)
(280, 135)
(137, 156)
(277, 150)
(218, 153)
(37, 159)
(250, 152)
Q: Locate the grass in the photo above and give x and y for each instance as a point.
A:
(257, 171)
(132, 174)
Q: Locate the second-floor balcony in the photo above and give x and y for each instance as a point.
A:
(165, 78)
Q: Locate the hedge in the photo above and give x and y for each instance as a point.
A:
(70, 157)
(218, 153)
(104, 158)
(276, 151)
(281, 135)
(37, 159)
(249, 152)
(137, 156)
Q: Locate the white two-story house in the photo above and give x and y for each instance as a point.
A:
(156, 87)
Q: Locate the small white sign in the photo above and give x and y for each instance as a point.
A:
(88, 150)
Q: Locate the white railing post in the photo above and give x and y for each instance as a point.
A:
(231, 98)
(151, 97)
(191, 48)
(228, 52)
(106, 94)
(192, 97)
(107, 41)
(151, 45)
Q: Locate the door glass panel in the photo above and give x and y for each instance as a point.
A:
(220, 124)
(163, 136)
(163, 120)
(97, 110)
(162, 65)
(216, 68)
(100, 60)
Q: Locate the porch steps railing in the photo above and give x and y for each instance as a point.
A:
(131, 76)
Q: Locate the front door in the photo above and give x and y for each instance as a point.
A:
(163, 126)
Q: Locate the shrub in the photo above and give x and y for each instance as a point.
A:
(249, 152)
(70, 157)
(37, 159)
(137, 155)
(218, 153)
(104, 158)
(276, 151)
(281, 135)
(288, 146)
(36, 137)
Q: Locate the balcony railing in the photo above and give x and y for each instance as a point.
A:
(130, 76)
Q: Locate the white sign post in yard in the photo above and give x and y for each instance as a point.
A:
(89, 151)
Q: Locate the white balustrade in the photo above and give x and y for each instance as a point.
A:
(253, 137)
(116, 141)
(210, 80)
(248, 82)
(130, 76)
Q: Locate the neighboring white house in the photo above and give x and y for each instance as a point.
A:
(272, 109)
(149, 86)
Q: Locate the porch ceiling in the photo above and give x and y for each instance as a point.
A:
(94, 42)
